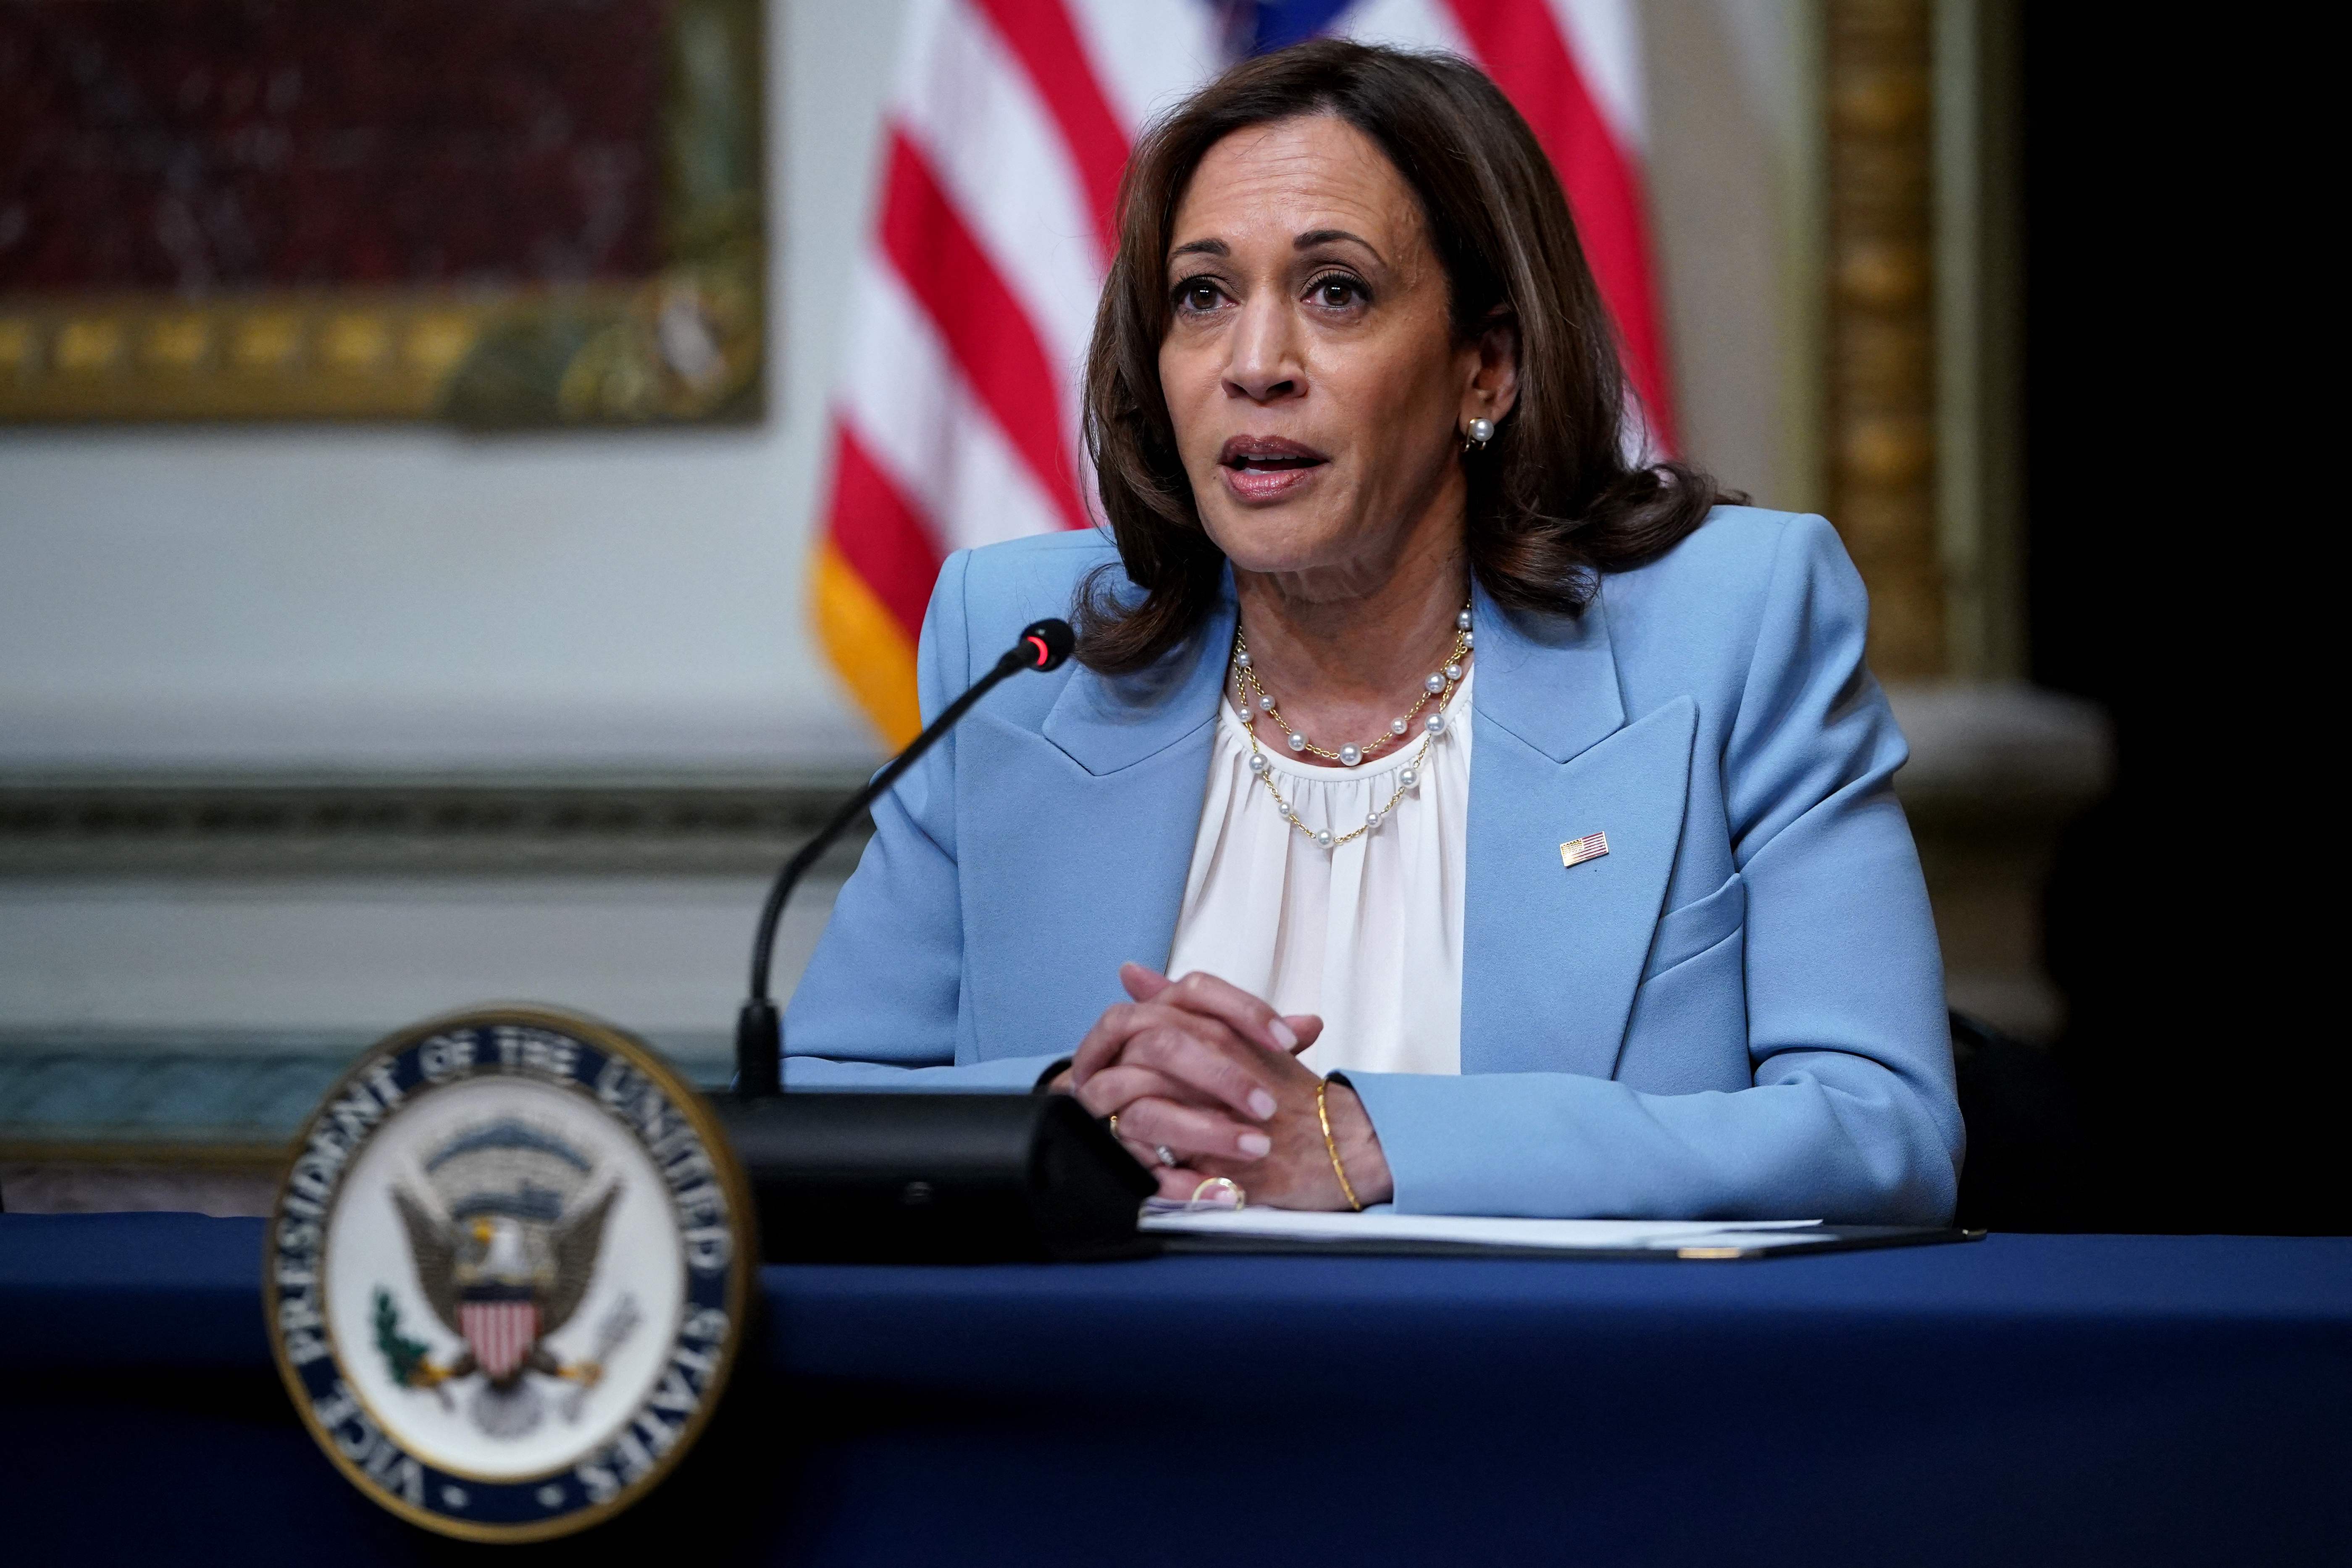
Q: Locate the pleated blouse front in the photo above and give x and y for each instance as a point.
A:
(1366, 934)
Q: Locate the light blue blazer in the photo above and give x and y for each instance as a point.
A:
(1738, 1012)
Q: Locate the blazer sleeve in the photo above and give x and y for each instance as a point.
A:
(1852, 1114)
(879, 1006)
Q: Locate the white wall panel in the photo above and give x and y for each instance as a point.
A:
(224, 958)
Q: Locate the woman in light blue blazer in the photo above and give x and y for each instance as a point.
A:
(1606, 899)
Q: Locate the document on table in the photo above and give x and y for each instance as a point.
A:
(1381, 1230)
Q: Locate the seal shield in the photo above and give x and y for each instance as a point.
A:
(508, 1272)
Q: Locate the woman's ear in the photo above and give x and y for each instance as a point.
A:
(1494, 386)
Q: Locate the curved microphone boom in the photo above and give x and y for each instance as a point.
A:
(759, 1033)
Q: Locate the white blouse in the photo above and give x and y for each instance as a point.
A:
(1368, 934)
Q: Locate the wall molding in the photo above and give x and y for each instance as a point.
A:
(145, 824)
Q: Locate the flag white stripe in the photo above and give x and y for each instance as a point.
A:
(910, 408)
(1147, 53)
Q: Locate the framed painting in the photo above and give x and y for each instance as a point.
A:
(496, 213)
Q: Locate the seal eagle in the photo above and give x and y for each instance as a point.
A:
(510, 1262)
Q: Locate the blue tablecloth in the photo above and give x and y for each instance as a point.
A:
(2074, 1399)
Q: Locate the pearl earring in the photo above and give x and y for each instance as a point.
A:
(1481, 432)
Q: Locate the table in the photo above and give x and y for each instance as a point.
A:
(2066, 1399)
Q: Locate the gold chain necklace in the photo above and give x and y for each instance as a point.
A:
(1253, 698)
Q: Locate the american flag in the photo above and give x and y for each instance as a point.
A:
(1576, 851)
(500, 1333)
(957, 420)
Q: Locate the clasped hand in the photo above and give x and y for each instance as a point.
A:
(1210, 1073)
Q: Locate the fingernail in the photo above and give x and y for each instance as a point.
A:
(1283, 1035)
(1261, 1103)
(1254, 1144)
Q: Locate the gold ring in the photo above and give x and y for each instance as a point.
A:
(1241, 1198)
(1114, 1123)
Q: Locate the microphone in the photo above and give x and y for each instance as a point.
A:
(759, 1028)
(909, 1177)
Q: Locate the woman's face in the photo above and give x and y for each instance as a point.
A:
(1310, 367)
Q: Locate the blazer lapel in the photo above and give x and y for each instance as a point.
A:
(1091, 818)
(1551, 954)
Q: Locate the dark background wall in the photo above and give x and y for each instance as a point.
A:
(2173, 517)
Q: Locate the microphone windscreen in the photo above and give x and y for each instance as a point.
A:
(1048, 643)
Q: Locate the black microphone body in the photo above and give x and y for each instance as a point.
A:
(909, 1177)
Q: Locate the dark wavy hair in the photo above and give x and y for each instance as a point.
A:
(1553, 501)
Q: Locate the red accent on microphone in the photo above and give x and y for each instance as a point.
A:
(1044, 653)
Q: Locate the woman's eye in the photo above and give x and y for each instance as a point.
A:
(1200, 295)
(1338, 293)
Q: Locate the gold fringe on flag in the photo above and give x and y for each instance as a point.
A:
(872, 652)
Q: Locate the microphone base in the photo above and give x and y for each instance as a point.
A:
(936, 1178)
(759, 1049)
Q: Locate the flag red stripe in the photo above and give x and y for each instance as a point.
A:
(1518, 43)
(982, 322)
(881, 535)
(1043, 38)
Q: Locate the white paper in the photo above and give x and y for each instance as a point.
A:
(1548, 1235)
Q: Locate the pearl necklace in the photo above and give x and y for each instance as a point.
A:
(1440, 685)
(1438, 688)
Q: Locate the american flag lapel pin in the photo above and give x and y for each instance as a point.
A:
(1576, 851)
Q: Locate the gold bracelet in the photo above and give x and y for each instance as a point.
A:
(1331, 1144)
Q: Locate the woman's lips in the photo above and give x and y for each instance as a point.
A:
(1268, 467)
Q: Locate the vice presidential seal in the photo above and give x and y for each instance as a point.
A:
(508, 1272)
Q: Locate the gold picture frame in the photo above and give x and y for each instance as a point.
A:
(685, 341)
